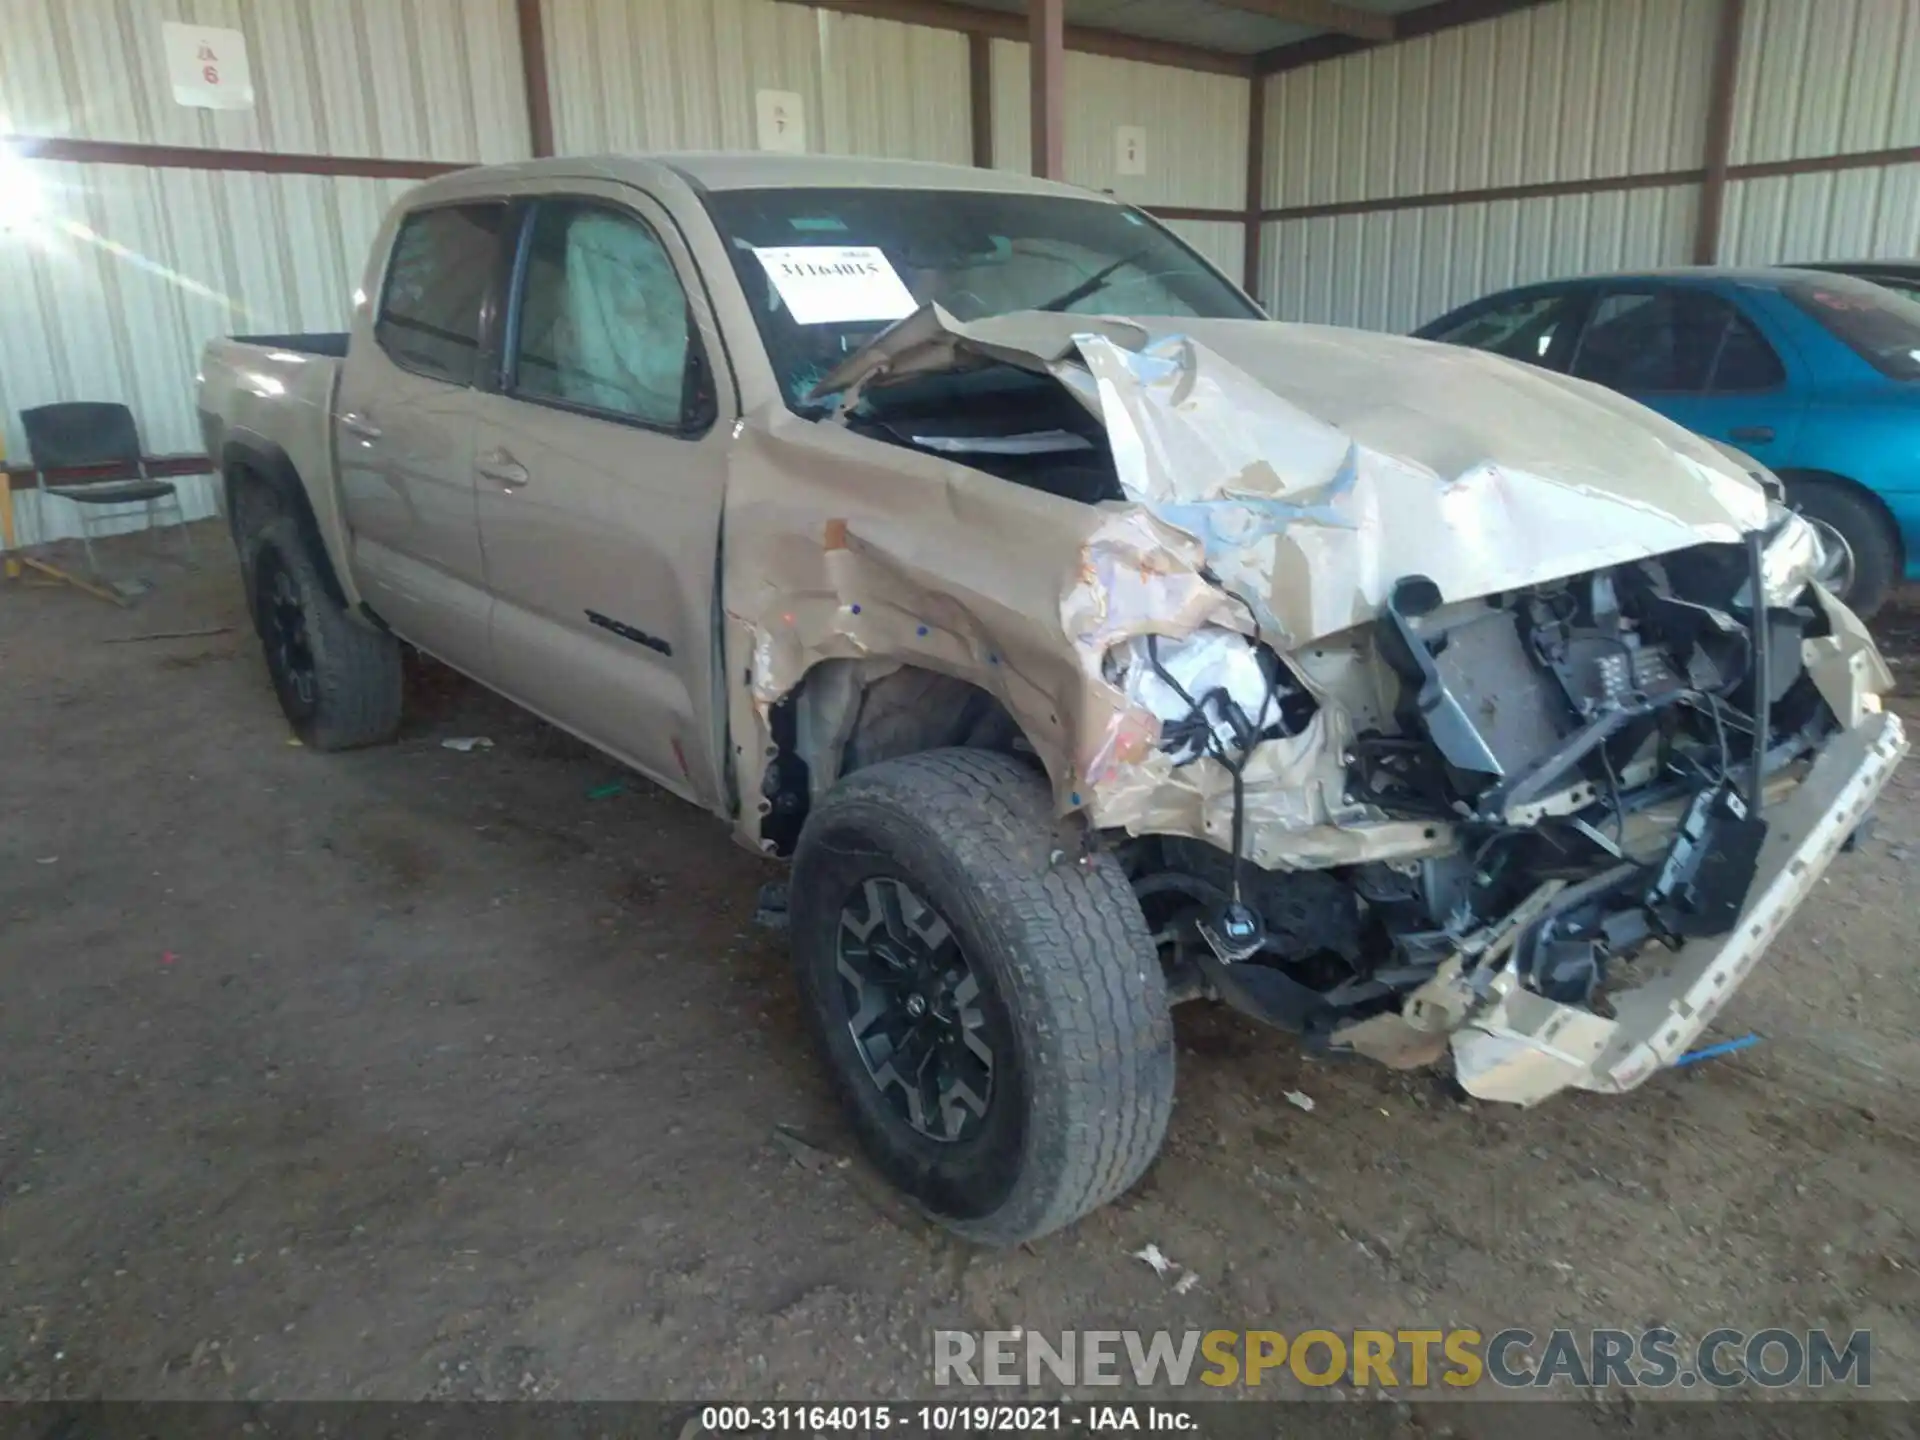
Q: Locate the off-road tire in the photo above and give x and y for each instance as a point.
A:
(355, 670)
(1876, 552)
(255, 507)
(1066, 968)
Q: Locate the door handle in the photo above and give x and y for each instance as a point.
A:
(1760, 434)
(362, 425)
(498, 464)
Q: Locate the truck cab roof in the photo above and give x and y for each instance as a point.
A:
(751, 170)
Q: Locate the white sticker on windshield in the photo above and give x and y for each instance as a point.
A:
(835, 284)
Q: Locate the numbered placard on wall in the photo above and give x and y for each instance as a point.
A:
(781, 118)
(208, 67)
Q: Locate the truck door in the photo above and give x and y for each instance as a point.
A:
(600, 468)
(403, 431)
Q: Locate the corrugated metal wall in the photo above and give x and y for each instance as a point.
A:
(400, 79)
(1195, 123)
(1581, 90)
(1572, 91)
(681, 74)
(1396, 269)
(1868, 214)
(126, 272)
(129, 271)
(1224, 242)
(1826, 78)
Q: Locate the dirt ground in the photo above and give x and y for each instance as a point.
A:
(413, 1073)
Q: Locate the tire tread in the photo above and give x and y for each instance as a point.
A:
(357, 668)
(1086, 967)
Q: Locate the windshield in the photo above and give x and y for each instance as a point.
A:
(826, 270)
(1879, 326)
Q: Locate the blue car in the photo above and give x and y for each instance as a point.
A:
(1815, 375)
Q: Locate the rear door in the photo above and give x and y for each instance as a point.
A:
(1697, 358)
(403, 430)
(600, 468)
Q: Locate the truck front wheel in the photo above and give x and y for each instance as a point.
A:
(338, 682)
(989, 1001)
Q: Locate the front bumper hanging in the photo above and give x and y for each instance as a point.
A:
(1522, 1047)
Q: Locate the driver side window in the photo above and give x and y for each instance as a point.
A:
(603, 323)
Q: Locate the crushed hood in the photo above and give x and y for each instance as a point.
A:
(1317, 466)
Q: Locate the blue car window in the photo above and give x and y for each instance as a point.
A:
(1653, 340)
(1522, 329)
(1746, 361)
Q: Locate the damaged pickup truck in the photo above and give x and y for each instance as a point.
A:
(1089, 642)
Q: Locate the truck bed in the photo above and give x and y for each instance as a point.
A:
(266, 393)
(267, 401)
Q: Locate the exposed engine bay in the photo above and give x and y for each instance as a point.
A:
(1002, 420)
(1592, 747)
(1431, 701)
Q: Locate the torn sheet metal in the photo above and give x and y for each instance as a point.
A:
(839, 547)
(1286, 449)
(1278, 479)
(1290, 512)
(1844, 664)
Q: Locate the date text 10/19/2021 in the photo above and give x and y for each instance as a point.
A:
(943, 1419)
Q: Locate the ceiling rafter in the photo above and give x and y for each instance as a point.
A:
(1373, 25)
(1408, 25)
(1002, 25)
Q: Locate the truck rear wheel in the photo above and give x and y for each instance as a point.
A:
(338, 682)
(992, 1010)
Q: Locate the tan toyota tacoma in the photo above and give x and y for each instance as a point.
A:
(1088, 641)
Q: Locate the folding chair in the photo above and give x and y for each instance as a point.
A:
(100, 437)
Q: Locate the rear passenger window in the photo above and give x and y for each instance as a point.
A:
(443, 261)
(1664, 340)
(1747, 362)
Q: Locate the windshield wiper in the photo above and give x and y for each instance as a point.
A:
(1092, 283)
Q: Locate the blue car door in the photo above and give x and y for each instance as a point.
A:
(1694, 356)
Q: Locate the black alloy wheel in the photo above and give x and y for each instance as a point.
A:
(337, 677)
(283, 628)
(913, 1010)
(992, 1012)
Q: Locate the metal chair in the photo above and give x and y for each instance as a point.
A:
(99, 437)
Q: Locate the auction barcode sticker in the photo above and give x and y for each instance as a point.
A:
(836, 284)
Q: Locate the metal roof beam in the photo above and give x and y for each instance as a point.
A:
(944, 15)
(1323, 15)
(1407, 25)
(1047, 80)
